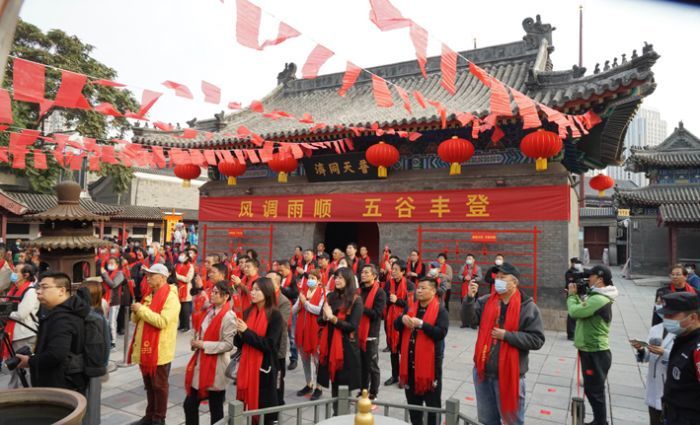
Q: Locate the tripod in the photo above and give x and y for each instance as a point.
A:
(6, 342)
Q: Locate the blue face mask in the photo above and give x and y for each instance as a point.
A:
(311, 283)
(501, 286)
(673, 326)
(14, 277)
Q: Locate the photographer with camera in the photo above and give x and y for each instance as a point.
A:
(57, 361)
(21, 323)
(575, 274)
(593, 315)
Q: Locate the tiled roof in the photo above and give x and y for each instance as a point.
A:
(680, 213)
(680, 150)
(598, 212)
(40, 202)
(656, 195)
(142, 213)
(67, 242)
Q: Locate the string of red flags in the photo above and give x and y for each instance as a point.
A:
(419, 38)
(212, 93)
(181, 90)
(352, 71)
(380, 90)
(318, 56)
(248, 19)
(448, 68)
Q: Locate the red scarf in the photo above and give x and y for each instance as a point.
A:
(107, 296)
(198, 311)
(248, 281)
(324, 275)
(182, 269)
(363, 332)
(248, 382)
(469, 276)
(424, 351)
(306, 333)
(443, 268)
(418, 268)
(287, 281)
(331, 284)
(241, 299)
(508, 356)
(355, 265)
(145, 287)
(10, 325)
(687, 288)
(332, 356)
(367, 260)
(150, 335)
(394, 311)
(207, 362)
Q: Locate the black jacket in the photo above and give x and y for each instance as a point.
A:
(376, 312)
(529, 336)
(682, 387)
(59, 346)
(349, 374)
(269, 345)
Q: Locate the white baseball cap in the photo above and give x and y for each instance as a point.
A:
(158, 268)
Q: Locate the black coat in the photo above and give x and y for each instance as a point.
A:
(349, 374)
(269, 345)
(60, 339)
(375, 313)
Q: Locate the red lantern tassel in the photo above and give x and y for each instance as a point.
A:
(541, 164)
(381, 173)
(186, 183)
(282, 177)
(231, 181)
(455, 168)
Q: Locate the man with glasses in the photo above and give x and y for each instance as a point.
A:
(57, 360)
(679, 283)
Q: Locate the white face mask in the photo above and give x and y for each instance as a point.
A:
(150, 251)
(501, 286)
(111, 267)
(578, 267)
(182, 258)
(470, 261)
(499, 262)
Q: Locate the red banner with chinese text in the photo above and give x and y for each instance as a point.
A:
(536, 203)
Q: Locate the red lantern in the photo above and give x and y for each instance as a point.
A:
(541, 145)
(601, 183)
(454, 151)
(187, 172)
(232, 169)
(283, 163)
(382, 156)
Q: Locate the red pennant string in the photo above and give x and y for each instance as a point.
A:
(464, 118)
(148, 99)
(284, 33)
(256, 106)
(448, 68)
(4, 157)
(107, 83)
(385, 16)
(181, 90)
(76, 162)
(318, 56)
(94, 163)
(247, 24)
(197, 157)
(19, 156)
(158, 156)
(40, 160)
(591, 119)
(349, 143)
(306, 119)
(419, 38)
(70, 93)
(28, 79)
(413, 136)
(500, 101)
(252, 156)
(296, 151)
(188, 133)
(106, 108)
(419, 98)
(212, 94)
(403, 94)
(558, 118)
(382, 95)
(239, 156)
(476, 126)
(575, 132)
(5, 107)
(234, 105)
(526, 109)
(163, 126)
(352, 71)
(497, 134)
(210, 156)
(441, 111)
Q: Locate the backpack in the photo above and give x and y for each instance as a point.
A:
(98, 342)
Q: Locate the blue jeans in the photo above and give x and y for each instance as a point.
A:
(488, 401)
(293, 353)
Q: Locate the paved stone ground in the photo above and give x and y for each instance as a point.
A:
(551, 381)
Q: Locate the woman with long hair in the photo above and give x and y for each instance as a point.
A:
(258, 338)
(308, 309)
(339, 346)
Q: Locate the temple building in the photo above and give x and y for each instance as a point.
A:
(498, 204)
(665, 215)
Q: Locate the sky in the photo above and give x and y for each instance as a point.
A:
(187, 41)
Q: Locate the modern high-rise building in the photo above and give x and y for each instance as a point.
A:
(646, 129)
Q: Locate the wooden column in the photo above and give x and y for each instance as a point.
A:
(673, 244)
(102, 229)
(123, 233)
(3, 230)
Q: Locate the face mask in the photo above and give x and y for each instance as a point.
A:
(674, 326)
(578, 267)
(689, 270)
(182, 258)
(14, 277)
(501, 286)
(150, 251)
(114, 251)
(499, 262)
(470, 261)
(111, 267)
(311, 283)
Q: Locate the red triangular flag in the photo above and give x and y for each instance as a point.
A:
(285, 32)
(441, 111)
(247, 24)
(28, 79)
(158, 156)
(382, 95)
(5, 107)
(403, 94)
(252, 156)
(70, 93)
(318, 56)
(464, 118)
(188, 133)
(527, 110)
(106, 108)
(419, 98)
(234, 105)
(256, 106)
(163, 126)
(94, 163)
(500, 101)
(197, 157)
(210, 156)
(212, 94)
(352, 71)
(448, 68)
(419, 38)
(306, 119)
(40, 160)
(385, 16)
(181, 90)
(497, 134)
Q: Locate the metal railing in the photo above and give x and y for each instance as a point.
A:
(323, 409)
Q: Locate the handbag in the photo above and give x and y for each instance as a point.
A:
(232, 369)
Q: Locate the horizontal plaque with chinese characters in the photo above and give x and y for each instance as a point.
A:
(533, 203)
(349, 166)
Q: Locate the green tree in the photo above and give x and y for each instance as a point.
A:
(58, 49)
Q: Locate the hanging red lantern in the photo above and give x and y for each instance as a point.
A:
(187, 172)
(283, 163)
(601, 183)
(540, 145)
(382, 156)
(232, 169)
(454, 151)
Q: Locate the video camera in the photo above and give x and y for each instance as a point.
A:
(581, 281)
(6, 308)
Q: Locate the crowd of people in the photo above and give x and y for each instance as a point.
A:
(250, 325)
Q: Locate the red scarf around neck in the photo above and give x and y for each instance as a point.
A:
(248, 379)
(306, 332)
(332, 355)
(687, 288)
(182, 291)
(324, 275)
(287, 281)
(107, 296)
(207, 362)
(15, 291)
(418, 267)
(508, 356)
(241, 299)
(394, 311)
(248, 281)
(424, 351)
(443, 268)
(150, 335)
(363, 331)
